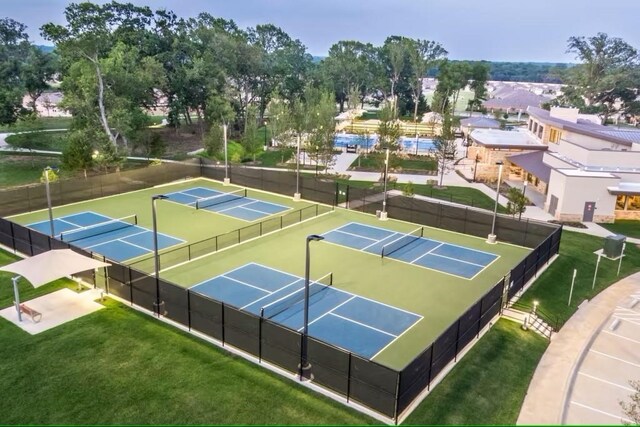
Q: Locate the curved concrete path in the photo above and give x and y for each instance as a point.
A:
(551, 397)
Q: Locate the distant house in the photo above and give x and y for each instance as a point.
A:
(514, 100)
(469, 124)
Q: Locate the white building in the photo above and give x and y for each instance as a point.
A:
(593, 170)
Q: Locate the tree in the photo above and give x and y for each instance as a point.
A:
(479, 76)
(77, 155)
(389, 132)
(607, 78)
(632, 409)
(444, 146)
(214, 140)
(423, 54)
(395, 52)
(38, 70)
(14, 47)
(452, 78)
(250, 142)
(279, 124)
(517, 203)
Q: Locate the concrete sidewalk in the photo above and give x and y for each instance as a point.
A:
(546, 399)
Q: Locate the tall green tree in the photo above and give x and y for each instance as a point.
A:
(389, 129)
(444, 146)
(38, 70)
(607, 79)
(251, 143)
(14, 48)
(423, 54)
(479, 76)
(452, 78)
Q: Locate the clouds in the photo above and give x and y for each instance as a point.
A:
(500, 30)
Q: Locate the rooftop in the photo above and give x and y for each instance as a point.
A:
(586, 174)
(495, 138)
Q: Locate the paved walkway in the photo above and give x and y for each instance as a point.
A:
(554, 380)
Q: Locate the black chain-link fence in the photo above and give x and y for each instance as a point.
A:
(382, 389)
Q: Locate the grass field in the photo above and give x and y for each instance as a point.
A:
(551, 289)
(19, 169)
(38, 124)
(627, 227)
(489, 384)
(375, 161)
(51, 141)
(462, 195)
(437, 296)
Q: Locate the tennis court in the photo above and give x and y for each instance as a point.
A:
(412, 248)
(349, 321)
(117, 239)
(235, 204)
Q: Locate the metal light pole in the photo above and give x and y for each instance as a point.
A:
(383, 214)
(226, 161)
(265, 134)
(524, 191)
(158, 303)
(16, 296)
(492, 237)
(475, 169)
(305, 366)
(296, 196)
(46, 186)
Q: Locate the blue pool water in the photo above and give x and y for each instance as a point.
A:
(408, 144)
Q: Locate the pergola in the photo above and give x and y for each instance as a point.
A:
(47, 267)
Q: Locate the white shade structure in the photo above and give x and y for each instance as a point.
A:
(49, 266)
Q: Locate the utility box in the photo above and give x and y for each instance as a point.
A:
(613, 245)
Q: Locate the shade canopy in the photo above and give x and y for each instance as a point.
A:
(49, 266)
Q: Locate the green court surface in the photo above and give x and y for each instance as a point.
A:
(437, 297)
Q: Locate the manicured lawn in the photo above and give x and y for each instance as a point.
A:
(463, 195)
(489, 384)
(275, 158)
(627, 227)
(375, 162)
(19, 169)
(51, 141)
(576, 251)
(38, 124)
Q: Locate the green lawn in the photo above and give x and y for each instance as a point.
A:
(52, 141)
(23, 169)
(489, 384)
(462, 195)
(397, 164)
(38, 124)
(627, 227)
(576, 251)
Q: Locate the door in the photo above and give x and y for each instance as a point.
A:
(553, 205)
(587, 215)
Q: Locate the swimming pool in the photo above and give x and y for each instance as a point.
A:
(409, 145)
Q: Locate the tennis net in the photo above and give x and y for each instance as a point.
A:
(100, 228)
(401, 242)
(221, 198)
(278, 306)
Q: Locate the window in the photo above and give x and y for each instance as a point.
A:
(554, 135)
(540, 131)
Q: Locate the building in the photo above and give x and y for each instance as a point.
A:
(470, 123)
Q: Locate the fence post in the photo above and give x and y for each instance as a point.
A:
(260, 339)
(349, 378)
(430, 368)
(397, 393)
(222, 323)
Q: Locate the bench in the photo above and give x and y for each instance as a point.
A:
(36, 316)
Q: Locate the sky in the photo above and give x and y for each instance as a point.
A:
(494, 30)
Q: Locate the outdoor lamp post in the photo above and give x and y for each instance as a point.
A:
(46, 186)
(475, 168)
(383, 214)
(524, 192)
(305, 366)
(492, 237)
(226, 161)
(16, 296)
(264, 122)
(535, 307)
(296, 196)
(158, 303)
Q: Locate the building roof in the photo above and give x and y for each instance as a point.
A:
(585, 127)
(626, 188)
(480, 122)
(532, 163)
(518, 99)
(584, 173)
(505, 139)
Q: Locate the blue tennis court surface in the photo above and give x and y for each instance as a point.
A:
(118, 240)
(349, 321)
(444, 257)
(234, 204)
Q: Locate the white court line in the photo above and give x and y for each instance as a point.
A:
(427, 253)
(270, 293)
(459, 260)
(614, 358)
(397, 338)
(618, 417)
(351, 234)
(363, 324)
(606, 382)
(378, 242)
(621, 336)
(328, 312)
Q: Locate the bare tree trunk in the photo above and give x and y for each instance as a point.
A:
(103, 113)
